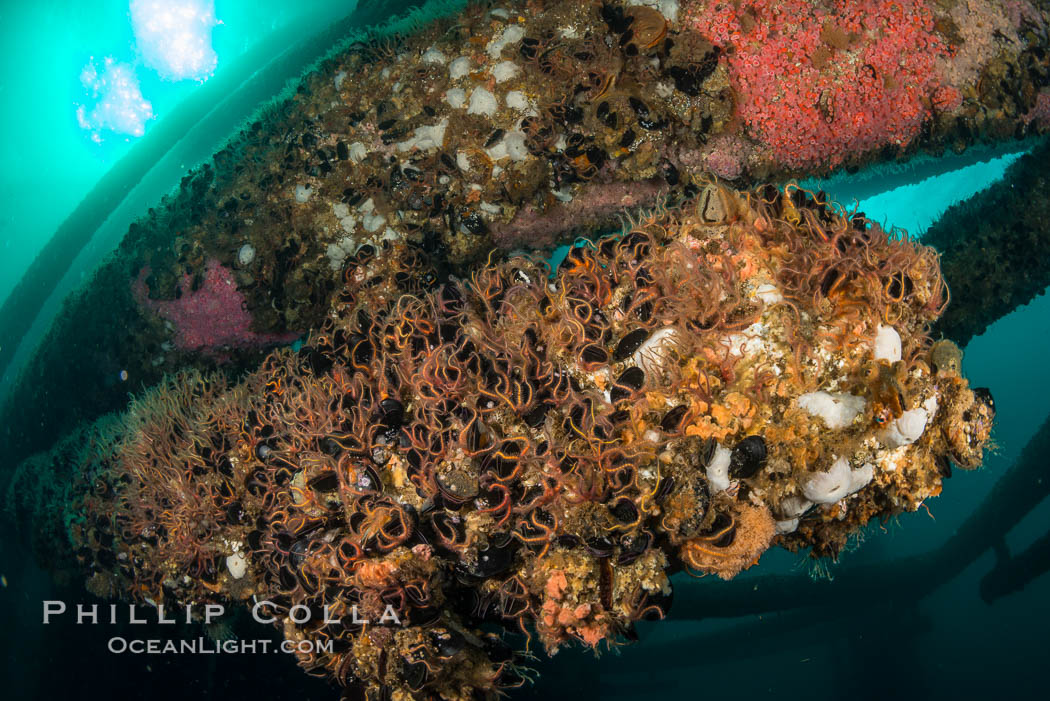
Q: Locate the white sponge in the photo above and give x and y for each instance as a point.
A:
(838, 482)
(906, 429)
(838, 409)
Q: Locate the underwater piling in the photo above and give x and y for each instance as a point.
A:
(989, 244)
(531, 448)
(1013, 573)
(501, 128)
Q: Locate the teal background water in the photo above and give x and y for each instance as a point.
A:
(49, 161)
(949, 645)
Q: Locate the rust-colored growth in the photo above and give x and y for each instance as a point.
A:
(885, 391)
(834, 36)
(648, 27)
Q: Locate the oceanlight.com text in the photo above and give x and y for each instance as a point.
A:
(205, 646)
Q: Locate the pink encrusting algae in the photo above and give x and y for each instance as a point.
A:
(212, 317)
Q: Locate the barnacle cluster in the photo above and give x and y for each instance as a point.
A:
(541, 449)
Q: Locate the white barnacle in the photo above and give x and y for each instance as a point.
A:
(482, 102)
(504, 71)
(237, 564)
(358, 152)
(456, 97)
(511, 35)
(516, 100)
(432, 56)
(245, 255)
(459, 68)
(718, 469)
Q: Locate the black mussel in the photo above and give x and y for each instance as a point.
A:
(650, 124)
(672, 420)
(448, 642)
(568, 540)
(535, 417)
(287, 579)
(494, 137)
(630, 343)
(497, 650)
(256, 483)
(325, 482)
(625, 511)
(593, 353)
(600, 547)
(330, 446)
(457, 486)
(446, 529)
(351, 197)
(495, 559)
(393, 412)
(298, 552)
(224, 466)
(596, 156)
(632, 377)
(748, 457)
(723, 529)
(633, 546)
(254, 540)
(106, 558)
(664, 489)
(657, 606)
(473, 223)
(685, 80)
(670, 172)
(828, 282)
(899, 286)
(235, 513)
(615, 17)
(368, 481)
(283, 475)
(415, 675)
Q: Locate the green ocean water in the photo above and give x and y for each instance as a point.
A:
(949, 644)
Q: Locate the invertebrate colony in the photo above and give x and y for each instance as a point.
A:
(533, 448)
